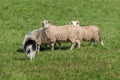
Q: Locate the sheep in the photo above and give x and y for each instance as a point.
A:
(66, 33)
(29, 35)
(29, 44)
(37, 35)
(90, 33)
(41, 38)
(32, 42)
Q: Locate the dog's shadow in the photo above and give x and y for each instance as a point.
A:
(20, 58)
(19, 50)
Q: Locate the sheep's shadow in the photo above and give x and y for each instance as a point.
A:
(63, 48)
(44, 48)
(48, 48)
(56, 48)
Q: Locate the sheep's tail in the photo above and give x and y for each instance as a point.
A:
(100, 39)
(30, 48)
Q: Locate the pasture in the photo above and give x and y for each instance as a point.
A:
(17, 17)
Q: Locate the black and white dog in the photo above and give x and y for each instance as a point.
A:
(30, 48)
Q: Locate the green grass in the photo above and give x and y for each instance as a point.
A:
(17, 17)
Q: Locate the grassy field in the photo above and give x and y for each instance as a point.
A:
(17, 17)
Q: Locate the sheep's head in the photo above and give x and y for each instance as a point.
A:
(75, 23)
(46, 24)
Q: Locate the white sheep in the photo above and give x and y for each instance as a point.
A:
(29, 35)
(41, 38)
(66, 33)
(90, 33)
(38, 35)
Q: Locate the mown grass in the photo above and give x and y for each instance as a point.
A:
(17, 17)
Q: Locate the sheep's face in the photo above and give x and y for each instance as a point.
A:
(45, 24)
(75, 23)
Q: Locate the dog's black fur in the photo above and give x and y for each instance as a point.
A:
(29, 42)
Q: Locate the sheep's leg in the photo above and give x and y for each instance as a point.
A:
(78, 42)
(38, 48)
(92, 42)
(52, 46)
(73, 45)
(45, 45)
(59, 45)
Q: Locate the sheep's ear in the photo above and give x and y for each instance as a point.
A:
(78, 22)
(48, 21)
(70, 23)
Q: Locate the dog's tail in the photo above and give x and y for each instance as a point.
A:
(30, 48)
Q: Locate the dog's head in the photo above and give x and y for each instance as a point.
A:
(30, 48)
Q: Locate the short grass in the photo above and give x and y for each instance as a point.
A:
(17, 17)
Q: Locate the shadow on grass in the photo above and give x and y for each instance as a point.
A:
(64, 48)
(56, 48)
(20, 58)
(19, 50)
(48, 48)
